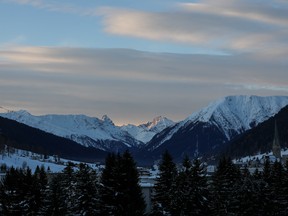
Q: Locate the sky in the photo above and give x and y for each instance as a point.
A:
(135, 60)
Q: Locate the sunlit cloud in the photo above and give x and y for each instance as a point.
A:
(235, 26)
(29, 55)
(272, 12)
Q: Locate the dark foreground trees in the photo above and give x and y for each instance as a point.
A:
(181, 191)
(76, 191)
(120, 190)
(229, 191)
(162, 198)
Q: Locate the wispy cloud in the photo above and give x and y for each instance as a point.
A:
(231, 26)
(266, 87)
(260, 87)
(236, 26)
(56, 6)
(38, 4)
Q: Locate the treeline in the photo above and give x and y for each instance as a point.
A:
(116, 190)
(259, 139)
(230, 191)
(79, 191)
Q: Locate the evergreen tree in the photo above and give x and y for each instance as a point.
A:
(163, 186)
(7, 192)
(200, 187)
(267, 171)
(279, 188)
(120, 190)
(18, 193)
(86, 192)
(190, 194)
(68, 183)
(226, 180)
(30, 203)
(129, 196)
(284, 191)
(108, 184)
(266, 190)
(54, 203)
(40, 186)
(249, 195)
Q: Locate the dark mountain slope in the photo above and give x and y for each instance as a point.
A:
(209, 131)
(24, 137)
(260, 138)
(195, 138)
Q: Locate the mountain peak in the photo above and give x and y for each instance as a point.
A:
(155, 121)
(16, 114)
(240, 112)
(158, 123)
(106, 119)
(23, 112)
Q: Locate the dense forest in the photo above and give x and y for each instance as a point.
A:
(185, 190)
(259, 139)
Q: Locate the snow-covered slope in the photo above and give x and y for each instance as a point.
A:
(231, 115)
(91, 131)
(210, 127)
(158, 124)
(21, 159)
(145, 132)
(239, 113)
(88, 131)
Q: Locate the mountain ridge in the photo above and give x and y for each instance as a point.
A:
(259, 139)
(206, 131)
(101, 133)
(213, 126)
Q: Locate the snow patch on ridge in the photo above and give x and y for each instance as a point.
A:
(91, 131)
(74, 127)
(234, 113)
(145, 132)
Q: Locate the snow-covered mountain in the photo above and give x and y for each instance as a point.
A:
(205, 131)
(239, 113)
(88, 131)
(91, 131)
(216, 124)
(145, 132)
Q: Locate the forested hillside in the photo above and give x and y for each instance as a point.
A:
(260, 138)
(27, 138)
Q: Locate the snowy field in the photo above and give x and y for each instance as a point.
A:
(22, 159)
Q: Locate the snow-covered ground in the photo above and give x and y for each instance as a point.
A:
(261, 157)
(22, 159)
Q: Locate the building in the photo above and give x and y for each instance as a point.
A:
(147, 186)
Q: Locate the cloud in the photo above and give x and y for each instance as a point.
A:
(55, 6)
(129, 84)
(260, 87)
(235, 26)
